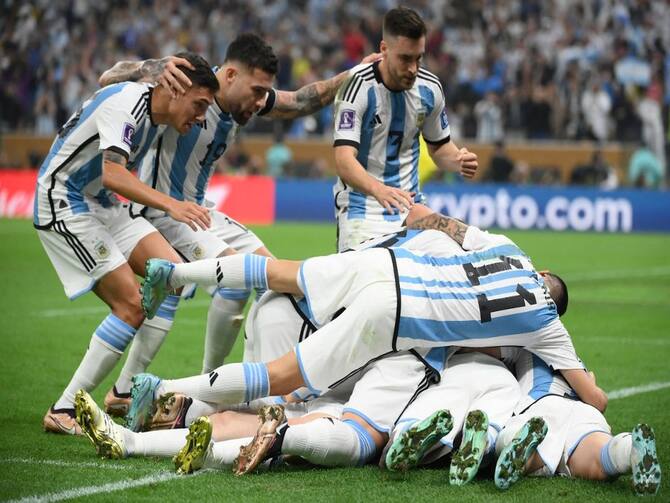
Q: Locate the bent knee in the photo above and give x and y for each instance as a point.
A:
(129, 310)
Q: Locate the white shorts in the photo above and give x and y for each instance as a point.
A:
(354, 231)
(362, 332)
(86, 246)
(332, 282)
(568, 422)
(193, 245)
(273, 327)
(471, 381)
(386, 388)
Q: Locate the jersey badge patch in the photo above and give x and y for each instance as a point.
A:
(101, 249)
(128, 132)
(444, 122)
(347, 120)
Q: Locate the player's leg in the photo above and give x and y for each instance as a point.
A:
(152, 333)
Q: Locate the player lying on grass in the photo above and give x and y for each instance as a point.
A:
(575, 441)
(460, 287)
(90, 237)
(369, 404)
(182, 166)
(478, 394)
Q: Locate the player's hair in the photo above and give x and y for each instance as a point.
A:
(202, 74)
(559, 293)
(404, 22)
(252, 50)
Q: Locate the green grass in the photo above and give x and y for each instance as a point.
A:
(619, 318)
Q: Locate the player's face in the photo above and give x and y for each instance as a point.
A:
(190, 109)
(247, 92)
(403, 58)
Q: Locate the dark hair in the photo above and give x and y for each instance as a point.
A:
(202, 74)
(252, 50)
(559, 293)
(404, 22)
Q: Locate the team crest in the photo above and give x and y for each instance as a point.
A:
(128, 133)
(198, 252)
(420, 118)
(101, 249)
(444, 122)
(347, 120)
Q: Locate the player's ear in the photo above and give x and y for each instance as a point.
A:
(231, 73)
(383, 47)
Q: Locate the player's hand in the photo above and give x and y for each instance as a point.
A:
(371, 58)
(392, 199)
(468, 161)
(172, 78)
(191, 214)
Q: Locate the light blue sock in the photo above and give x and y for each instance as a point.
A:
(255, 271)
(367, 446)
(257, 381)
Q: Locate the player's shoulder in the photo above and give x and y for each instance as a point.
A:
(429, 79)
(361, 77)
(132, 97)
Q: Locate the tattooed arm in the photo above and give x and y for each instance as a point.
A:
(452, 227)
(117, 178)
(312, 97)
(163, 71)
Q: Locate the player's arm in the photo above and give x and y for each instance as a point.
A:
(162, 71)
(448, 157)
(311, 97)
(354, 175)
(452, 227)
(117, 178)
(586, 388)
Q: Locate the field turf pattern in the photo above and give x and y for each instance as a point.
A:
(619, 318)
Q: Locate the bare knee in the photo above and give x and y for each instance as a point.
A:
(129, 309)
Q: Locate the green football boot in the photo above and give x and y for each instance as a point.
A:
(155, 285)
(191, 457)
(644, 461)
(142, 395)
(410, 446)
(465, 462)
(513, 458)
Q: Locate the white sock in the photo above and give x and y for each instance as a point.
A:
(106, 347)
(163, 443)
(224, 319)
(199, 408)
(147, 342)
(242, 271)
(329, 442)
(228, 384)
(615, 455)
(222, 454)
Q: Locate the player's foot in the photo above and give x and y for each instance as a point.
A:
(644, 461)
(170, 412)
(252, 455)
(465, 462)
(155, 285)
(142, 395)
(513, 458)
(100, 428)
(409, 447)
(192, 456)
(61, 421)
(116, 404)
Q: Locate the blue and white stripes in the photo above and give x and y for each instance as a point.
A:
(115, 332)
(256, 380)
(366, 445)
(233, 293)
(606, 460)
(255, 271)
(168, 308)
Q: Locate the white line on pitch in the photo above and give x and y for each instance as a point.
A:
(68, 464)
(122, 485)
(637, 390)
(633, 340)
(76, 311)
(576, 277)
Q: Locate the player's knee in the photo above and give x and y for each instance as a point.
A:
(129, 310)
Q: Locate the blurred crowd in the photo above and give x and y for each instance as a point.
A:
(565, 69)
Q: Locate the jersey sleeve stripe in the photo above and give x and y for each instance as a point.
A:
(351, 143)
(437, 143)
(355, 91)
(348, 92)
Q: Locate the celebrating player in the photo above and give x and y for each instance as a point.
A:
(93, 240)
(379, 114)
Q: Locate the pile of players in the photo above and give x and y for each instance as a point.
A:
(430, 334)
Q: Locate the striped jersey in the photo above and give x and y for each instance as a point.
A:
(117, 117)
(384, 126)
(536, 378)
(486, 294)
(182, 165)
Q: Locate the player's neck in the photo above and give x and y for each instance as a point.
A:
(159, 106)
(386, 77)
(220, 97)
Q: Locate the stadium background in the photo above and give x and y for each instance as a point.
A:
(572, 89)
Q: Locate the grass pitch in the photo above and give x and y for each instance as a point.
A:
(619, 318)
